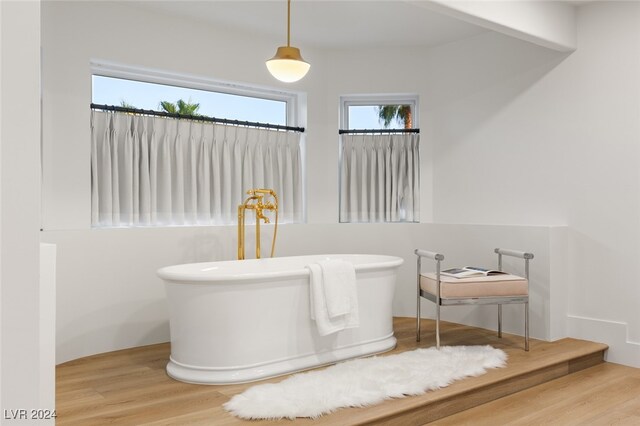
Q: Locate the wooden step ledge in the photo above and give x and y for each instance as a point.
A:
(131, 386)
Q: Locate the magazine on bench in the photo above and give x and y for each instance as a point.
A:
(470, 271)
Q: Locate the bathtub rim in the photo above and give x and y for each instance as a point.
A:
(177, 274)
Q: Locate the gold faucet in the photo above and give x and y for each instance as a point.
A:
(255, 202)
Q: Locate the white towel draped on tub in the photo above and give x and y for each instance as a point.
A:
(333, 295)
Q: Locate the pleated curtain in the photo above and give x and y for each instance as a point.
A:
(150, 171)
(380, 178)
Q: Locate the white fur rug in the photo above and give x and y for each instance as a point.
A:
(364, 381)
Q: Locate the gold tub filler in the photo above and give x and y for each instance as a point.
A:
(256, 202)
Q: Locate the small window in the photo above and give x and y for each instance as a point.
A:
(380, 116)
(183, 100)
(379, 112)
(379, 159)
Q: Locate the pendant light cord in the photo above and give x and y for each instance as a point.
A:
(288, 23)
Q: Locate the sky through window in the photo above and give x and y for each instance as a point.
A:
(114, 91)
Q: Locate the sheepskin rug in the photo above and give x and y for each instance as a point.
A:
(365, 381)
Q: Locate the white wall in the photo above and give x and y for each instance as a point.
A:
(488, 149)
(603, 214)
(20, 370)
(556, 142)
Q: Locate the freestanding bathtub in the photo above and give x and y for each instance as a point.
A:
(245, 320)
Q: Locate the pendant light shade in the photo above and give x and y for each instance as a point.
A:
(287, 65)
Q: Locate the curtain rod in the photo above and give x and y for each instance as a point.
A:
(351, 131)
(195, 117)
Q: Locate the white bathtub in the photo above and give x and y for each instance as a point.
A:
(245, 320)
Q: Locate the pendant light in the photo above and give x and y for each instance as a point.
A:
(287, 65)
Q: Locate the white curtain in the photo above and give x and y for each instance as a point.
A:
(380, 178)
(161, 171)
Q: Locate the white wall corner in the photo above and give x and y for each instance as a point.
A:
(0, 203)
(549, 24)
(47, 327)
(20, 204)
(612, 333)
(558, 282)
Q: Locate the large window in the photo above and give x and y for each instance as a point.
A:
(379, 159)
(180, 150)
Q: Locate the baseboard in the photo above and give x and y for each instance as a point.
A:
(613, 333)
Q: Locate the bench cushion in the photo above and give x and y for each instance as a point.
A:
(474, 287)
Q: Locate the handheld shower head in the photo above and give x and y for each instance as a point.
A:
(264, 191)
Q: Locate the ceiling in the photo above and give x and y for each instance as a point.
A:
(325, 23)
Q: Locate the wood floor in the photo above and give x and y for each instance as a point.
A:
(606, 394)
(130, 387)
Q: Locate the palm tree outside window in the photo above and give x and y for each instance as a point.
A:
(359, 112)
(401, 114)
(180, 107)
